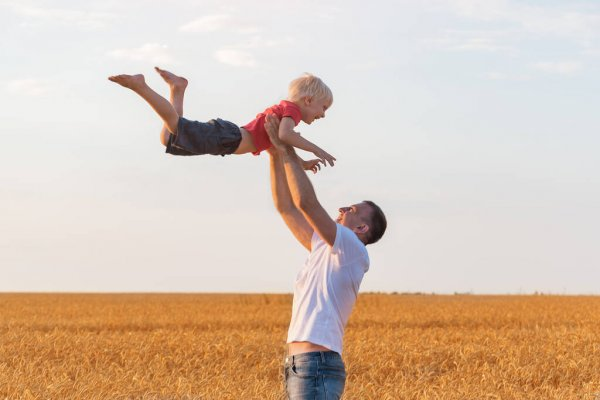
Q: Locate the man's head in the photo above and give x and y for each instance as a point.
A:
(365, 219)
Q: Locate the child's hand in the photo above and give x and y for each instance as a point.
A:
(312, 165)
(324, 157)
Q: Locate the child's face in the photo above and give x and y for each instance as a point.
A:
(313, 108)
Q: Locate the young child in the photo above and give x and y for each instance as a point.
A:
(308, 99)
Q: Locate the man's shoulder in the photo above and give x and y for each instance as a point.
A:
(350, 248)
(347, 233)
(345, 239)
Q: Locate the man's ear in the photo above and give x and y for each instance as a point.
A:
(307, 100)
(361, 229)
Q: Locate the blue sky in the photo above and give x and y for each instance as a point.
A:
(473, 124)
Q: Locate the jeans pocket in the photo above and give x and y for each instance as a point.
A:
(334, 379)
(334, 368)
(304, 369)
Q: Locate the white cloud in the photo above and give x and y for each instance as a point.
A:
(236, 58)
(328, 12)
(516, 26)
(479, 44)
(209, 23)
(485, 10)
(590, 50)
(219, 22)
(496, 76)
(363, 66)
(560, 68)
(27, 87)
(570, 24)
(475, 40)
(569, 20)
(502, 76)
(154, 53)
(83, 19)
(234, 54)
(256, 42)
(237, 55)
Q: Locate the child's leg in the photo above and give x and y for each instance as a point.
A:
(162, 107)
(177, 85)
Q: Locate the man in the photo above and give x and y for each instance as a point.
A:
(326, 288)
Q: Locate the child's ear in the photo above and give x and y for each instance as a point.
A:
(307, 100)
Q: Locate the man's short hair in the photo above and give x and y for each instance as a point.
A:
(378, 223)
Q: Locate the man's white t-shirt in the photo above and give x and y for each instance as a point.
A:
(326, 288)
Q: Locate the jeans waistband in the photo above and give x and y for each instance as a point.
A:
(323, 355)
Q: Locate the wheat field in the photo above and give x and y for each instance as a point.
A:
(230, 346)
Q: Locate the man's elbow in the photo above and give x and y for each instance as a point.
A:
(283, 207)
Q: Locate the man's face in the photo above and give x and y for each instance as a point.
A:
(354, 215)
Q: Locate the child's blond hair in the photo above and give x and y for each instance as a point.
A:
(309, 85)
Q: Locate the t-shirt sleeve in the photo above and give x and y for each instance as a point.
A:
(293, 111)
(314, 240)
(349, 248)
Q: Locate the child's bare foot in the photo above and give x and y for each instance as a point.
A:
(175, 82)
(132, 82)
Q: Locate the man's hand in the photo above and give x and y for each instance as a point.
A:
(272, 151)
(272, 128)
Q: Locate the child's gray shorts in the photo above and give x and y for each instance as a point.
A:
(217, 137)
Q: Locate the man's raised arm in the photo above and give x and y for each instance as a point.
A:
(302, 192)
(282, 199)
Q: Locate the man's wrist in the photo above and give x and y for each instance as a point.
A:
(287, 151)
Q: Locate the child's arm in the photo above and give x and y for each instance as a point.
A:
(288, 136)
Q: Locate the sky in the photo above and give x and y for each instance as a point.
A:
(473, 124)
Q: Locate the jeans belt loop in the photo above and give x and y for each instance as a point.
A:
(322, 357)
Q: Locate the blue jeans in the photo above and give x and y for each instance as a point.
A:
(318, 375)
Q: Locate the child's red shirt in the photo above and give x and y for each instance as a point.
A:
(257, 129)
